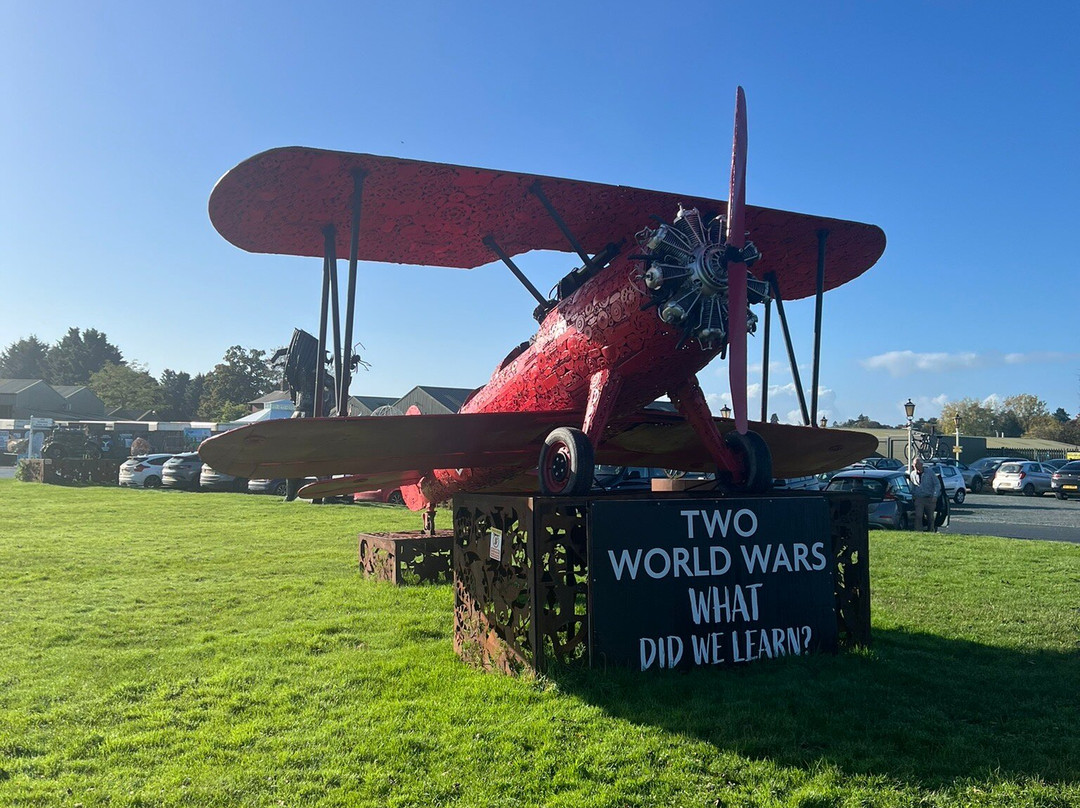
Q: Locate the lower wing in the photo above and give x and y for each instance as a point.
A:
(377, 451)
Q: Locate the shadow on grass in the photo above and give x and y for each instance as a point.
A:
(914, 707)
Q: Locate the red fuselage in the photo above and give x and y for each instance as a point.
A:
(601, 326)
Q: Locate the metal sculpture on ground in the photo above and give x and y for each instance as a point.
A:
(665, 285)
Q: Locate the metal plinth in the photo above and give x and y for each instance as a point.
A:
(406, 558)
(522, 580)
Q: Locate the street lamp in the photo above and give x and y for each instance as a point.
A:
(956, 447)
(725, 411)
(824, 422)
(909, 408)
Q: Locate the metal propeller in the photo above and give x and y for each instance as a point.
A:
(736, 238)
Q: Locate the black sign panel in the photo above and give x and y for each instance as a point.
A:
(685, 583)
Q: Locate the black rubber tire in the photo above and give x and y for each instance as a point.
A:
(1029, 490)
(959, 496)
(905, 522)
(976, 485)
(566, 463)
(152, 482)
(753, 448)
(1059, 495)
(395, 497)
(281, 489)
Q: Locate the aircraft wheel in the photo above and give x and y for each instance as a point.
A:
(566, 463)
(755, 451)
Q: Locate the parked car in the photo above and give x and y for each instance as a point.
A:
(891, 502)
(889, 463)
(811, 483)
(625, 478)
(182, 471)
(1026, 476)
(276, 486)
(987, 467)
(1065, 482)
(972, 479)
(213, 480)
(952, 480)
(390, 495)
(1056, 463)
(142, 471)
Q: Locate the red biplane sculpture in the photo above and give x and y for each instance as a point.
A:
(664, 286)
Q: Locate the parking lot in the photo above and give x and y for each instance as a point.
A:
(1016, 516)
(1010, 516)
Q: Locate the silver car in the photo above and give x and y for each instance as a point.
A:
(214, 480)
(1026, 477)
(953, 480)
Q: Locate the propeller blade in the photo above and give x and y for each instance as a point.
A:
(736, 237)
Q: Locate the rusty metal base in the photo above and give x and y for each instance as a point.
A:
(530, 609)
(406, 558)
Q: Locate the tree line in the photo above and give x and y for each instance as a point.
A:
(86, 357)
(1019, 416)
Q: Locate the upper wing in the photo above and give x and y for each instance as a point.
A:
(435, 214)
(301, 447)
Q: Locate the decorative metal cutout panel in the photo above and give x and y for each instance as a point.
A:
(406, 558)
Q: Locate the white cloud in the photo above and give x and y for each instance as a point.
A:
(905, 363)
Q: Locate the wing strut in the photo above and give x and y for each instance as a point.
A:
(545, 304)
(765, 361)
(775, 286)
(822, 235)
(358, 176)
(538, 191)
(320, 359)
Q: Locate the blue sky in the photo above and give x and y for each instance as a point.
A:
(951, 125)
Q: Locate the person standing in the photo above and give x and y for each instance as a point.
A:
(925, 488)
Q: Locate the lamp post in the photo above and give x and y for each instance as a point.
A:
(824, 422)
(956, 447)
(725, 411)
(909, 408)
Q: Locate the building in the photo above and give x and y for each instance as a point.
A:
(434, 400)
(22, 398)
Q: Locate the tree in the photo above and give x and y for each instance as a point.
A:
(862, 422)
(1025, 407)
(1060, 415)
(129, 387)
(25, 359)
(976, 418)
(180, 395)
(1045, 426)
(243, 375)
(79, 354)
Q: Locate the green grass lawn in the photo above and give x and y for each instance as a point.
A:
(164, 648)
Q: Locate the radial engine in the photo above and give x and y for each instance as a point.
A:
(686, 273)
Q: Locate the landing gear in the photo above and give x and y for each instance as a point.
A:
(755, 457)
(566, 463)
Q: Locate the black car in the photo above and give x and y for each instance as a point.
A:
(1065, 482)
(182, 471)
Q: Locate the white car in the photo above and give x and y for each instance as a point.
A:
(955, 487)
(142, 471)
(1025, 476)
